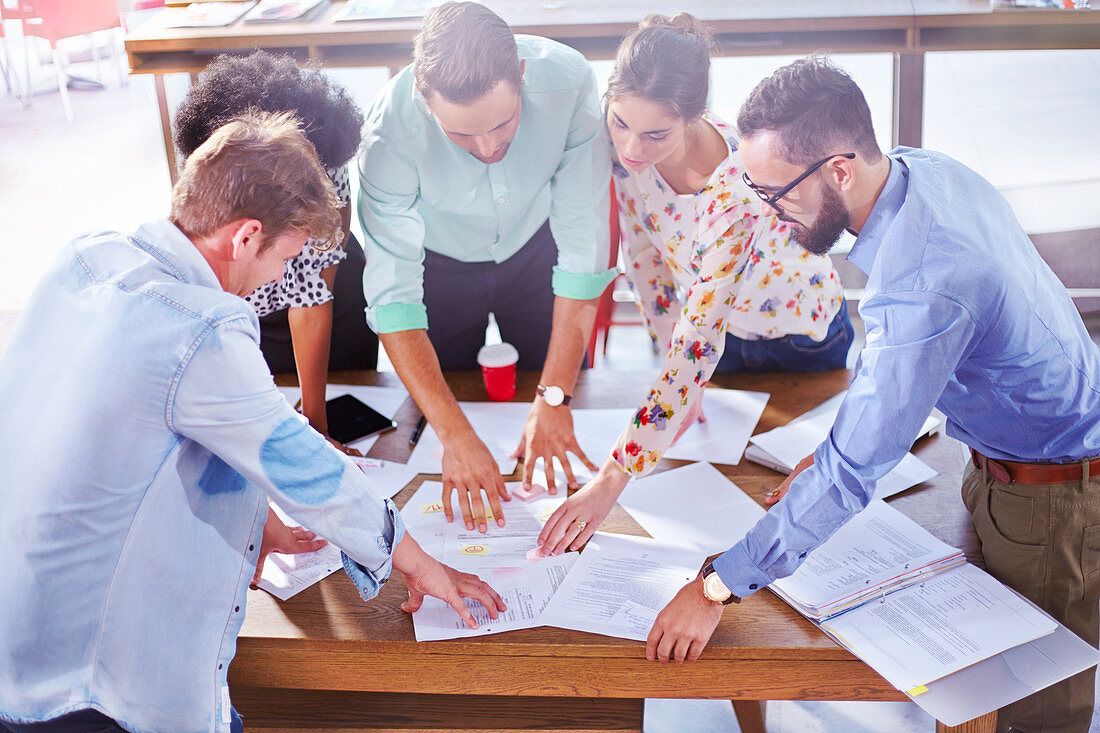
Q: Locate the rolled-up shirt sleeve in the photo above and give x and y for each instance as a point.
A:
(915, 341)
(226, 401)
(580, 202)
(393, 279)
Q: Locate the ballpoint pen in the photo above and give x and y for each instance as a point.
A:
(417, 430)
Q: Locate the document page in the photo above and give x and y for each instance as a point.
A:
(526, 589)
(691, 506)
(284, 576)
(620, 584)
(930, 630)
(498, 424)
(387, 478)
(783, 447)
(731, 416)
(876, 548)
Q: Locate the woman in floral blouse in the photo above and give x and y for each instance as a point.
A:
(720, 284)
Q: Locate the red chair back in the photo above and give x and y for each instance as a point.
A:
(68, 18)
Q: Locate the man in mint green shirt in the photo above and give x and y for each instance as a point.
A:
(485, 182)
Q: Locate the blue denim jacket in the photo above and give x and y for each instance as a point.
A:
(141, 435)
(962, 314)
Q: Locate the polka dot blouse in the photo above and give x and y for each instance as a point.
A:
(302, 285)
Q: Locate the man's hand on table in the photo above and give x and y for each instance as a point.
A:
(470, 469)
(280, 538)
(548, 434)
(574, 522)
(774, 497)
(426, 576)
(684, 626)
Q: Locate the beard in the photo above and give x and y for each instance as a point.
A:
(820, 236)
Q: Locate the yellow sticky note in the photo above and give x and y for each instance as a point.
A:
(434, 508)
(475, 550)
(918, 690)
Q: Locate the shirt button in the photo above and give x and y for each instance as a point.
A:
(754, 586)
(802, 556)
(236, 609)
(219, 666)
(500, 200)
(251, 548)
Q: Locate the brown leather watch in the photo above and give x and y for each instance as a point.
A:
(714, 589)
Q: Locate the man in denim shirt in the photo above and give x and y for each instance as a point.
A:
(141, 438)
(961, 315)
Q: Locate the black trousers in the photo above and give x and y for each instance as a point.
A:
(353, 344)
(459, 297)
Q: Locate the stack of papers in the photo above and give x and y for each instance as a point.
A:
(208, 14)
(285, 11)
(782, 448)
(879, 551)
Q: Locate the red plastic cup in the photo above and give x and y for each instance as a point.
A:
(498, 368)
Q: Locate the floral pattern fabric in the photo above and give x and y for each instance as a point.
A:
(702, 265)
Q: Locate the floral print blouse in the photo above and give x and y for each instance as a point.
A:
(702, 265)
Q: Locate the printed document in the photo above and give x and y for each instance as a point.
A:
(498, 424)
(620, 584)
(284, 576)
(691, 506)
(929, 630)
(731, 416)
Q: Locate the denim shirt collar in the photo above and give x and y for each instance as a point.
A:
(176, 252)
(882, 215)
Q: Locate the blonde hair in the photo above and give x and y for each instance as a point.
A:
(257, 166)
(463, 51)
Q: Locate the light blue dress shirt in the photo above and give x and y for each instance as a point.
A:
(962, 314)
(142, 434)
(421, 191)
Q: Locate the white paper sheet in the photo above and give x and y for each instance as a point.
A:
(731, 416)
(387, 478)
(498, 424)
(879, 548)
(284, 576)
(783, 447)
(692, 506)
(949, 622)
(525, 589)
(620, 584)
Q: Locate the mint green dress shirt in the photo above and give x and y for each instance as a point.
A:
(421, 191)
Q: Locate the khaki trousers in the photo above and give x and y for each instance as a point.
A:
(1044, 541)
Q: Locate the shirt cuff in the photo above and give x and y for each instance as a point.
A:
(368, 582)
(580, 285)
(739, 572)
(398, 317)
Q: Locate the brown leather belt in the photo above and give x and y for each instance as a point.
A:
(1016, 472)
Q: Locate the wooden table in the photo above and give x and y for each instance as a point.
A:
(326, 659)
(906, 28)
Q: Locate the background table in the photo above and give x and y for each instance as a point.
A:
(326, 659)
(906, 28)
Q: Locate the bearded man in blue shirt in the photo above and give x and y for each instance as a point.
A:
(962, 315)
(142, 437)
(485, 178)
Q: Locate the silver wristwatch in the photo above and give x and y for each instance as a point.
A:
(553, 395)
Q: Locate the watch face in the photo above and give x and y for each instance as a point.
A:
(553, 395)
(715, 589)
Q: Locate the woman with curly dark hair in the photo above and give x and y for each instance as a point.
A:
(312, 319)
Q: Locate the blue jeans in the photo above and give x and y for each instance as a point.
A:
(790, 353)
(89, 721)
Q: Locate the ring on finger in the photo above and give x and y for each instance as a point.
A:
(580, 524)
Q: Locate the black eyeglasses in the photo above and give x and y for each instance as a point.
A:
(772, 199)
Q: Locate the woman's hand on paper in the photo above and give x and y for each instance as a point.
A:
(548, 434)
(280, 538)
(684, 626)
(694, 415)
(774, 497)
(470, 469)
(426, 576)
(577, 519)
